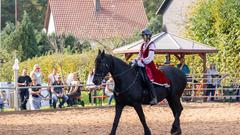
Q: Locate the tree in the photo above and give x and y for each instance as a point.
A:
(216, 22)
(42, 42)
(7, 12)
(6, 36)
(22, 39)
(35, 8)
(5, 71)
(155, 24)
(74, 45)
(151, 7)
(155, 21)
(67, 43)
(26, 35)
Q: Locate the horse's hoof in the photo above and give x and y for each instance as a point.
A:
(147, 133)
(112, 134)
(178, 132)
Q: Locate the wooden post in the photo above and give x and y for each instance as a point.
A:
(15, 69)
(179, 57)
(16, 13)
(204, 58)
(128, 56)
(168, 59)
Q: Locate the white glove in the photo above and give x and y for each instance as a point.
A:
(140, 64)
(133, 62)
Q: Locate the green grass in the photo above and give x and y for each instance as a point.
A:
(99, 93)
(84, 98)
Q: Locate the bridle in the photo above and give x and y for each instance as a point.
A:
(108, 68)
(101, 75)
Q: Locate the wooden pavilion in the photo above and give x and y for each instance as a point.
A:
(171, 44)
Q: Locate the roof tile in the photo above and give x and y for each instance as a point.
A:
(116, 18)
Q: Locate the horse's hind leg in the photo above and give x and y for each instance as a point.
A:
(176, 107)
(139, 110)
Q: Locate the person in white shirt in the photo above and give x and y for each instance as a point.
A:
(75, 90)
(147, 66)
(36, 97)
(36, 74)
(51, 80)
(212, 80)
(109, 89)
(91, 87)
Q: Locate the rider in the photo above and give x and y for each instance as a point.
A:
(147, 66)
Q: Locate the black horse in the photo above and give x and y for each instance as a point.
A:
(130, 89)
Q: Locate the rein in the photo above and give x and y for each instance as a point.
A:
(108, 67)
(122, 73)
(128, 88)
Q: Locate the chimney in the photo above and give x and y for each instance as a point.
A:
(97, 5)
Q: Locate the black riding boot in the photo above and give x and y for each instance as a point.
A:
(153, 94)
(150, 87)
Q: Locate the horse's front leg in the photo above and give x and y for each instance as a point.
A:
(118, 112)
(139, 110)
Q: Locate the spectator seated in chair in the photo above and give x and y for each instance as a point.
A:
(75, 91)
(58, 93)
(51, 80)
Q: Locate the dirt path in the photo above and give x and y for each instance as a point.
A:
(196, 119)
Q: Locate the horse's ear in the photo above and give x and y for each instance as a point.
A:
(103, 52)
(99, 52)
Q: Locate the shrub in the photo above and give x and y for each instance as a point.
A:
(66, 63)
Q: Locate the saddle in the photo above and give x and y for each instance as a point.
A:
(144, 78)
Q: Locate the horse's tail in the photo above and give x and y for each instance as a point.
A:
(177, 77)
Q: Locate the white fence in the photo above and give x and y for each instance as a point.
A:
(196, 90)
(223, 88)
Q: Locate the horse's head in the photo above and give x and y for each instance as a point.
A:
(102, 67)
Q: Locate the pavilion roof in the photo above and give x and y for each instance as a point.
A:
(168, 43)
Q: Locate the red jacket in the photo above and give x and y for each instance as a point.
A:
(153, 73)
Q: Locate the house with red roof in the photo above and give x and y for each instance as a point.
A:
(95, 19)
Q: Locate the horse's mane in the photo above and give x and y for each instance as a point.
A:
(118, 60)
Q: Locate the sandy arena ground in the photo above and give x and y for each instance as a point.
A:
(196, 119)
